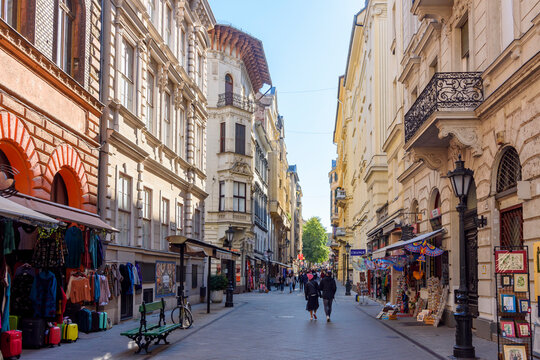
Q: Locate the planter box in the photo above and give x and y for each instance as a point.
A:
(216, 296)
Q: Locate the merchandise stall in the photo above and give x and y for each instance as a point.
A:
(54, 271)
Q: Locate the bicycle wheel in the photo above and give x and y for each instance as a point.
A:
(175, 315)
(187, 320)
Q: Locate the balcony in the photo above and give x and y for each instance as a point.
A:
(433, 9)
(341, 197)
(446, 107)
(240, 102)
(340, 231)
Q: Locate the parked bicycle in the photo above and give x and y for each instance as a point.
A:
(182, 314)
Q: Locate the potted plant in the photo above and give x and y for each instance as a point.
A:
(218, 283)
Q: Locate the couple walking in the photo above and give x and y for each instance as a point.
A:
(326, 289)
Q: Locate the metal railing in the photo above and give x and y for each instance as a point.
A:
(445, 91)
(231, 99)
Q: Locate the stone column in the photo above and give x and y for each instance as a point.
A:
(191, 52)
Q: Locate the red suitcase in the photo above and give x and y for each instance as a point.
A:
(54, 336)
(11, 344)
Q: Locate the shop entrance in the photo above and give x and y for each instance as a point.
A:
(126, 306)
(471, 239)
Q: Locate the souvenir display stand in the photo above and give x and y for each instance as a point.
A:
(514, 333)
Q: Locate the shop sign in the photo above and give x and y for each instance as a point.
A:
(165, 278)
(358, 252)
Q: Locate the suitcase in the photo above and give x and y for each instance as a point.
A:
(95, 321)
(70, 332)
(102, 321)
(53, 336)
(85, 320)
(11, 344)
(33, 332)
(14, 321)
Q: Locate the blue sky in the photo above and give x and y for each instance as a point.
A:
(306, 44)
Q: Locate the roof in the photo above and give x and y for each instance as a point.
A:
(249, 49)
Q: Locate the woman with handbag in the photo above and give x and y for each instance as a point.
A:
(311, 292)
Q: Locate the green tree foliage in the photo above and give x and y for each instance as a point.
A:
(314, 241)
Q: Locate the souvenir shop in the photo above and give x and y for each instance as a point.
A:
(54, 279)
(412, 275)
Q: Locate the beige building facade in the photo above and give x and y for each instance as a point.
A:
(153, 133)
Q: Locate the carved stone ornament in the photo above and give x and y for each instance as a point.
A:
(434, 158)
(240, 167)
(178, 96)
(163, 78)
(466, 132)
(180, 8)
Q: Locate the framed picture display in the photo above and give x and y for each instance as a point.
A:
(510, 262)
(506, 280)
(508, 303)
(514, 352)
(524, 305)
(521, 283)
(508, 328)
(523, 329)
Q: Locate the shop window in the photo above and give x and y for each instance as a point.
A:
(509, 170)
(59, 193)
(148, 272)
(194, 276)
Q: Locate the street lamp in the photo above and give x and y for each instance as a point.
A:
(269, 253)
(348, 283)
(461, 179)
(230, 288)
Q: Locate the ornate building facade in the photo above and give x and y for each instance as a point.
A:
(153, 134)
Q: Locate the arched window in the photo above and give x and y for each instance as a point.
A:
(4, 161)
(59, 193)
(228, 84)
(64, 35)
(509, 171)
(9, 12)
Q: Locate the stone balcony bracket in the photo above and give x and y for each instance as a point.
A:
(432, 9)
(466, 132)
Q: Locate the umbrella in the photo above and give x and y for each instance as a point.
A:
(424, 248)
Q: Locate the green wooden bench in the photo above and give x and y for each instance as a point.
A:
(145, 334)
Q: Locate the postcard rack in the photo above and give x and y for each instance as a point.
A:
(512, 289)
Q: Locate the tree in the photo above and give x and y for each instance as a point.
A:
(314, 241)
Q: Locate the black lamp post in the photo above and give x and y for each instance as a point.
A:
(348, 283)
(461, 179)
(230, 288)
(269, 253)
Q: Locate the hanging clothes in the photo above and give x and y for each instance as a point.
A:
(22, 286)
(104, 290)
(43, 294)
(75, 246)
(100, 254)
(93, 250)
(97, 288)
(78, 289)
(137, 281)
(5, 313)
(61, 305)
(117, 279)
(50, 251)
(9, 237)
(127, 279)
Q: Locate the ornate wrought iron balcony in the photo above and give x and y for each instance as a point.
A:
(445, 92)
(230, 99)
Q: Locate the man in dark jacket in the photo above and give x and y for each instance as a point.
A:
(328, 290)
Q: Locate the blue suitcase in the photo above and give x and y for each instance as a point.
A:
(85, 320)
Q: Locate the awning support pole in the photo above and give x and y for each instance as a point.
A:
(208, 285)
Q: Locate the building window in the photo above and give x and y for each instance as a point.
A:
(509, 170)
(197, 224)
(464, 33)
(64, 34)
(228, 85)
(181, 132)
(200, 66)
(184, 50)
(179, 218)
(164, 222)
(240, 139)
(239, 197)
(222, 196)
(9, 12)
(59, 192)
(150, 97)
(167, 120)
(511, 227)
(147, 218)
(124, 210)
(194, 276)
(127, 75)
(222, 137)
(167, 28)
(152, 10)
(198, 146)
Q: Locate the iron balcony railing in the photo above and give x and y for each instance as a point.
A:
(445, 91)
(341, 194)
(230, 99)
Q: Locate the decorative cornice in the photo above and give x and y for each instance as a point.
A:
(465, 131)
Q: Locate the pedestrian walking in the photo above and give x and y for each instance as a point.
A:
(311, 292)
(301, 281)
(281, 282)
(294, 283)
(289, 282)
(327, 288)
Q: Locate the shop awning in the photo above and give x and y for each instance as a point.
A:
(199, 248)
(280, 264)
(259, 257)
(380, 253)
(62, 212)
(12, 210)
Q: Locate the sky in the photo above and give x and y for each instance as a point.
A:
(306, 44)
